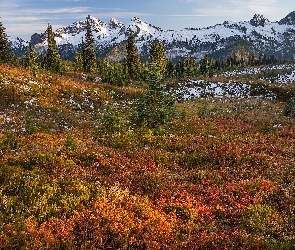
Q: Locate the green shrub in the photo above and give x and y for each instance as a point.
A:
(204, 111)
(10, 141)
(70, 143)
(110, 123)
(263, 220)
(114, 73)
(32, 194)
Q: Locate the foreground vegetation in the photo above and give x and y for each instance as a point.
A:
(76, 174)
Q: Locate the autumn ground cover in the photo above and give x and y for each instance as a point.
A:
(220, 177)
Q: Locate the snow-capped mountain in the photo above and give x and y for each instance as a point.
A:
(258, 36)
(19, 45)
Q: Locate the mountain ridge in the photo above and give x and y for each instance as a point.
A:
(218, 41)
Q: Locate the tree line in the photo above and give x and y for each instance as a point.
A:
(131, 68)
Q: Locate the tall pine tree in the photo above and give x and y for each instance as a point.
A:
(158, 56)
(52, 59)
(4, 46)
(132, 58)
(89, 54)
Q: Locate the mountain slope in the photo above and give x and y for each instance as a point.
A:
(263, 36)
(220, 177)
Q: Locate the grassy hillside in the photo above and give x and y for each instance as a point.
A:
(75, 175)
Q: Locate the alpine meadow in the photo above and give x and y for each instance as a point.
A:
(117, 136)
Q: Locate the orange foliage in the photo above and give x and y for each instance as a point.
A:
(196, 186)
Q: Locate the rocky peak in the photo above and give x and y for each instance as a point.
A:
(95, 23)
(259, 20)
(136, 20)
(38, 38)
(114, 23)
(139, 26)
(77, 27)
(289, 19)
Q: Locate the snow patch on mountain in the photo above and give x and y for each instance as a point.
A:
(17, 41)
(217, 41)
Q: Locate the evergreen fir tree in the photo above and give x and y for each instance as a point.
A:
(89, 54)
(156, 109)
(52, 59)
(158, 56)
(179, 69)
(13, 59)
(132, 58)
(189, 66)
(206, 66)
(171, 69)
(79, 61)
(31, 59)
(4, 46)
(217, 65)
(114, 72)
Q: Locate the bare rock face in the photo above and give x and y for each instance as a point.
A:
(37, 38)
(117, 53)
(259, 20)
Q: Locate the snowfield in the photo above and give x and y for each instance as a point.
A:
(235, 89)
(203, 89)
(257, 70)
(285, 78)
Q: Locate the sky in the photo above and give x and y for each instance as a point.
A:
(22, 18)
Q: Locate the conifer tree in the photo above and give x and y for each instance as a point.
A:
(13, 59)
(156, 108)
(179, 69)
(89, 54)
(4, 45)
(171, 69)
(132, 58)
(31, 59)
(189, 66)
(52, 59)
(158, 56)
(207, 66)
(114, 72)
(78, 61)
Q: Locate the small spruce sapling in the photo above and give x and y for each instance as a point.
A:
(156, 108)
